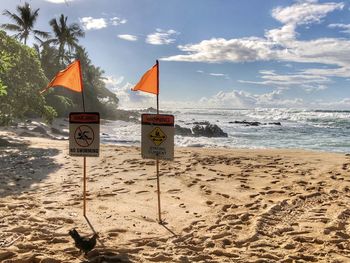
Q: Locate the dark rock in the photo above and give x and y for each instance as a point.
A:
(246, 123)
(40, 130)
(254, 123)
(210, 130)
(27, 134)
(201, 123)
(275, 123)
(58, 131)
(206, 130)
(4, 143)
(150, 109)
(182, 131)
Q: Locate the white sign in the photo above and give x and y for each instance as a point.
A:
(84, 134)
(157, 140)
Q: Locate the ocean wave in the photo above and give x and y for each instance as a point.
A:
(323, 130)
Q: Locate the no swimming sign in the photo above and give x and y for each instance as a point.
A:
(84, 134)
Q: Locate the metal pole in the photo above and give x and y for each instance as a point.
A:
(84, 186)
(82, 85)
(84, 164)
(157, 160)
(158, 191)
(157, 63)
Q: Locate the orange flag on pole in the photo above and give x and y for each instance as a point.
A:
(69, 78)
(149, 81)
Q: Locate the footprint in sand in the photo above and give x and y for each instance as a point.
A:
(122, 190)
(174, 191)
(142, 192)
(193, 182)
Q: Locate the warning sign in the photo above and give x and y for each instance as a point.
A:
(84, 134)
(157, 140)
(157, 136)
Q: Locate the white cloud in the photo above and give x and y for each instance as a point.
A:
(223, 99)
(112, 82)
(304, 12)
(278, 44)
(346, 27)
(90, 23)
(59, 1)
(271, 78)
(242, 99)
(161, 37)
(116, 21)
(220, 75)
(281, 44)
(217, 74)
(127, 98)
(245, 100)
(218, 50)
(312, 88)
(128, 37)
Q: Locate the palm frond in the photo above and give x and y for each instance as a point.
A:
(11, 27)
(14, 17)
(41, 33)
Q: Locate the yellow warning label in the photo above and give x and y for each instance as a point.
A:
(157, 136)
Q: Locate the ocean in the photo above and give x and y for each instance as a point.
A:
(320, 130)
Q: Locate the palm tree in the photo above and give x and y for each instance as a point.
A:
(24, 23)
(66, 36)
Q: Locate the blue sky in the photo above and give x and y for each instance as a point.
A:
(216, 53)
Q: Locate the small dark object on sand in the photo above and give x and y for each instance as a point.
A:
(83, 243)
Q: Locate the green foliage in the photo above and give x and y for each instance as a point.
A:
(62, 104)
(66, 37)
(3, 91)
(4, 65)
(48, 57)
(97, 96)
(25, 71)
(49, 114)
(23, 77)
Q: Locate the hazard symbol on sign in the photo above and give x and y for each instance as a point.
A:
(157, 136)
(84, 136)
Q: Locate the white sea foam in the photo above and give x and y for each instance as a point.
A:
(316, 130)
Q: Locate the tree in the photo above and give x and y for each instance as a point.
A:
(66, 37)
(23, 78)
(97, 96)
(24, 23)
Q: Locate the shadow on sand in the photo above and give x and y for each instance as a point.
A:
(104, 254)
(22, 166)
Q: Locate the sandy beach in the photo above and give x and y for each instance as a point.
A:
(219, 205)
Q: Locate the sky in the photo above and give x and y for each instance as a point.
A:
(215, 53)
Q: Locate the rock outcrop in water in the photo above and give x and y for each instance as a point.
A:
(254, 123)
(182, 131)
(209, 130)
(204, 129)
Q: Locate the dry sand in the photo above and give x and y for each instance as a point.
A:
(219, 205)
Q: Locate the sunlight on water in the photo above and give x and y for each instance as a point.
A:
(315, 130)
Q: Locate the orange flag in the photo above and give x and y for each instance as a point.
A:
(149, 81)
(69, 78)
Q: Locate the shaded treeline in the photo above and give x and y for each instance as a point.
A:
(25, 71)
